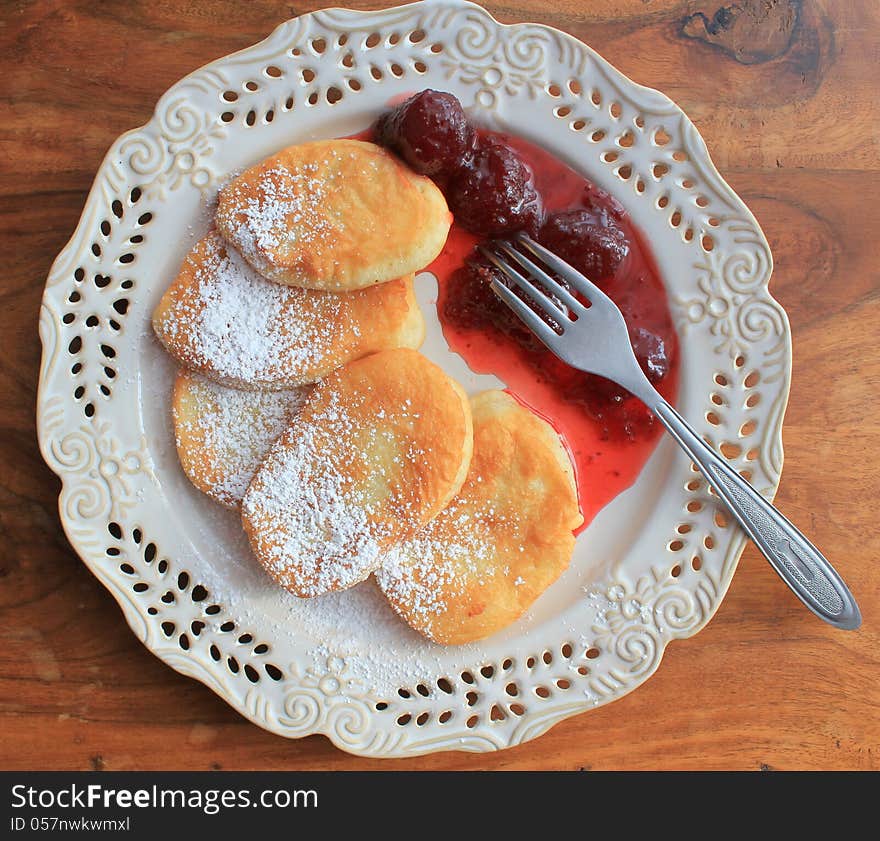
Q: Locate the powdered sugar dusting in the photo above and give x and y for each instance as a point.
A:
(319, 527)
(235, 430)
(427, 572)
(353, 636)
(285, 208)
(247, 330)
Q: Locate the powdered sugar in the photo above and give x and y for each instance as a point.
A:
(319, 532)
(353, 635)
(283, 208)
(428, 571)
(247, 330)
(233, 430)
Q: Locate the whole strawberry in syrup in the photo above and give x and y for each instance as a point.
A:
(590, 241)
(493, 193)
(429, 131)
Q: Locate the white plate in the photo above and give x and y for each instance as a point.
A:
(652, 567)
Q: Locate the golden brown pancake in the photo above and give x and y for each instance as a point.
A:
(220, 318)
(502, 541)
(334, 215)
(379, 448)
(223, 434)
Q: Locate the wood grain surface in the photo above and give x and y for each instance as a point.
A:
(785, 93)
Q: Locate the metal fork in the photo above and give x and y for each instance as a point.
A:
(594, 338)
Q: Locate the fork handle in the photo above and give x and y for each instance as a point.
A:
(800, 564)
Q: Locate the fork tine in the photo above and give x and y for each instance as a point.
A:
(548, 282)
(526, 314)
(541, 300)
(586, 287)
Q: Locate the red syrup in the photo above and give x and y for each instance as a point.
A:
(609, 434)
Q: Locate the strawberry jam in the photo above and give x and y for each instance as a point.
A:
(497, 184)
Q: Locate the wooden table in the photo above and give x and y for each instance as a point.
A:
(785, 93)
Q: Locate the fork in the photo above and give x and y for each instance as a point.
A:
(593, 337)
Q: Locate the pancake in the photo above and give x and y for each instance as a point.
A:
(220, 318)
(334, 215)
(223, 434)
(502, 541)
(377, 451)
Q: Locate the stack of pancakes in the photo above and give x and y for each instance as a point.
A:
(302, 401)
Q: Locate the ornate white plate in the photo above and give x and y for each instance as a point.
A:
(653, 566)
